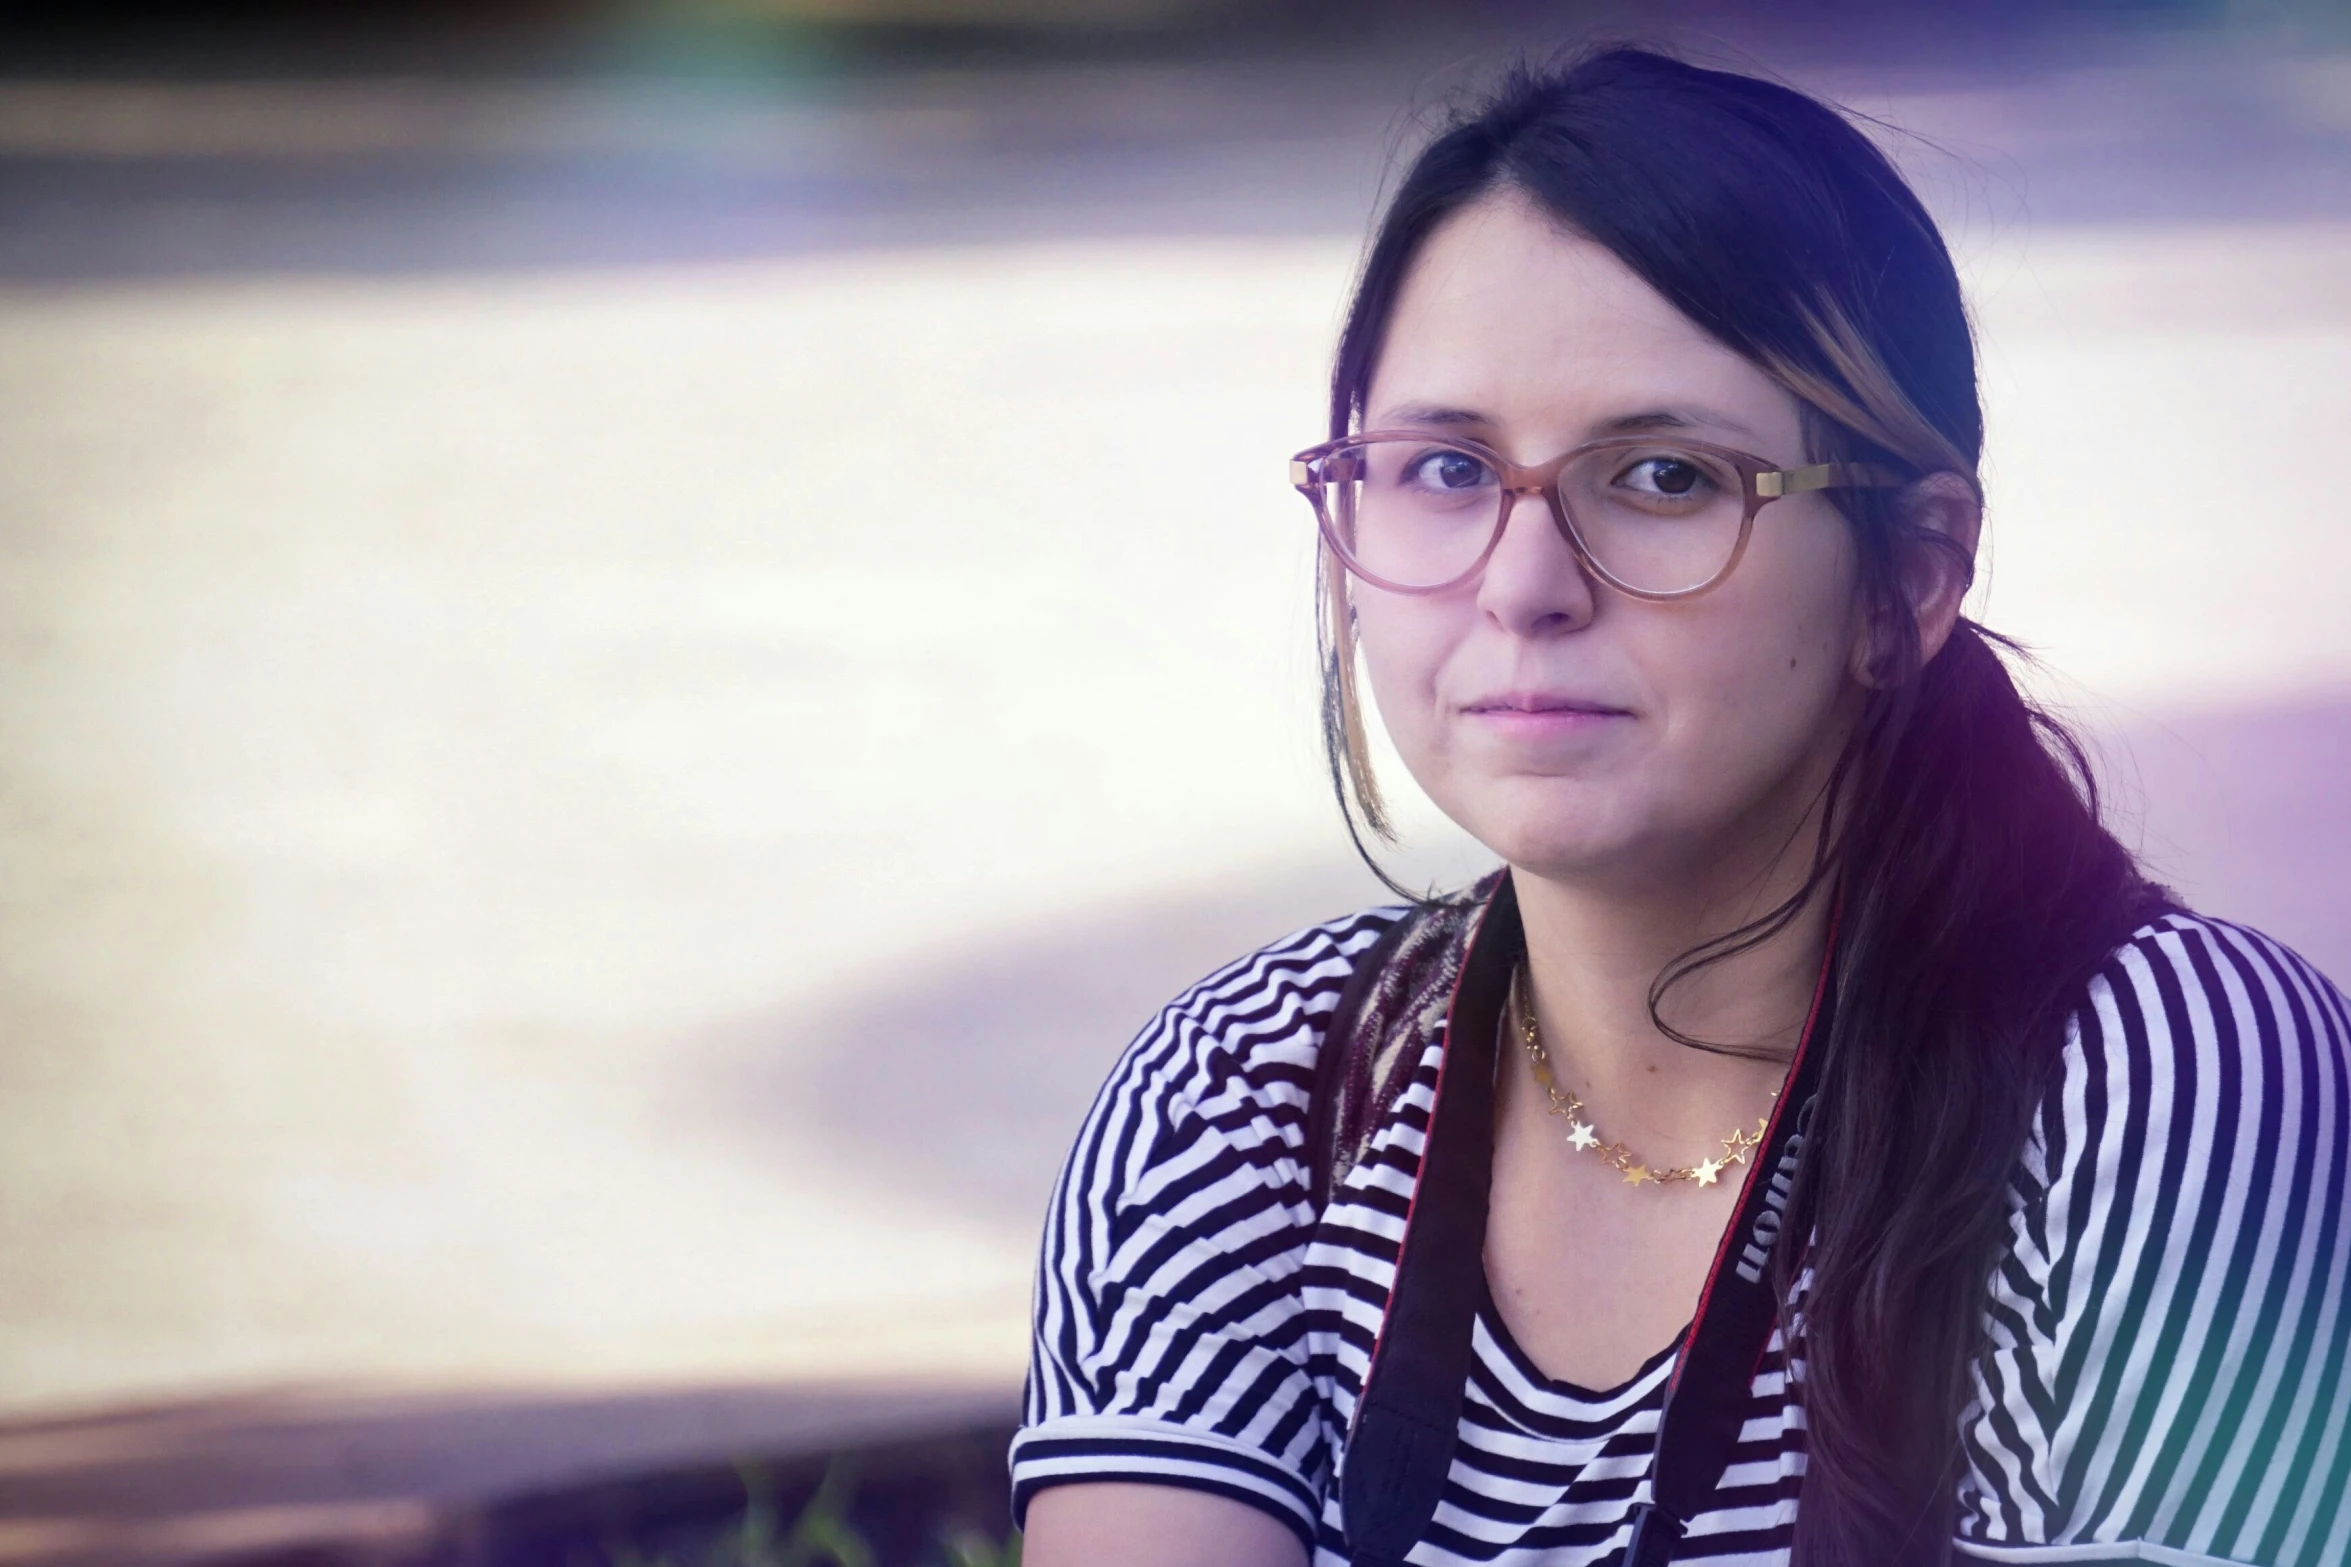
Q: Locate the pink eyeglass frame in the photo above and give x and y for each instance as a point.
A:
(1762, 482)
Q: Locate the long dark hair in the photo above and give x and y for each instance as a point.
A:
(1962, 827)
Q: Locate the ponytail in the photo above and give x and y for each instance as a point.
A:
(1979, 891)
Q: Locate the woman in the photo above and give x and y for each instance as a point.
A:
(1648, 511)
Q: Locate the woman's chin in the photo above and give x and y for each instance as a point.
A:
(1568, 848)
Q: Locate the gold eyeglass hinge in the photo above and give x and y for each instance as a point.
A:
(1773, 483)
(1793, 481)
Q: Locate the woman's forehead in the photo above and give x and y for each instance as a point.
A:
(1507, 315)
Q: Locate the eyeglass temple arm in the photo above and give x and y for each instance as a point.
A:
(1335, 470)
(1774, 483)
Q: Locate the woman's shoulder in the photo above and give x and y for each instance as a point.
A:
(2196, 1006)
(1252, 1029)
(2206, 1076)
(2205, 1068)
(1201, 1121)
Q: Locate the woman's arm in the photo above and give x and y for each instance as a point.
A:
(1152, 1526)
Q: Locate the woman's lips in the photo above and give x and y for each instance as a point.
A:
(1539, 713)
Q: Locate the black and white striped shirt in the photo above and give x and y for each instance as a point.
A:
(2165, 1378)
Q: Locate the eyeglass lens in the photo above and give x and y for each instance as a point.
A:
(1420, 514)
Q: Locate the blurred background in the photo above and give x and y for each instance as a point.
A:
(638, 635)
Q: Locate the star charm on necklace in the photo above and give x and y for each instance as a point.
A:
(1584, 1137)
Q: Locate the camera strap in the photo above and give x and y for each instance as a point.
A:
(1400, 1447)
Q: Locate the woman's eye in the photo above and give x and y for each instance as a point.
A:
(1449, 471)
(1675, 476)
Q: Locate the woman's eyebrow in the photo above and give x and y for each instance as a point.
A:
(1436, 414)
(1672, 419)
(1445, 416)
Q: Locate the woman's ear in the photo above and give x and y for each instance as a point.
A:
(1941, 520)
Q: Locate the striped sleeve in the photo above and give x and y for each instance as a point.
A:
(2164, 1378)
(1169, 1346)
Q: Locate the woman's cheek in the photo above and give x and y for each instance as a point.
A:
(1771, 716)
(1404, 661)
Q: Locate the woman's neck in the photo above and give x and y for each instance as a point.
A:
(1593, 958)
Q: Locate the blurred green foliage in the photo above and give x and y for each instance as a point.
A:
(822, 1535)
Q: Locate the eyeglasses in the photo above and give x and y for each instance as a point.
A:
(1653, 519)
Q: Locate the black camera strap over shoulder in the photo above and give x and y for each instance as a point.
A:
(1400, 1448)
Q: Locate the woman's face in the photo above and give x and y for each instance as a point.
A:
(1580, 734)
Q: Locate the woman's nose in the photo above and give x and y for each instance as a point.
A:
(1533, 584)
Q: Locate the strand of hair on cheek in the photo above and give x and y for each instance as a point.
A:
(1340, 619)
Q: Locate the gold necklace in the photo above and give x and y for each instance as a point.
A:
(1585, 1138)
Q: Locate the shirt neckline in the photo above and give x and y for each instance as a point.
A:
(1520, 1361)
